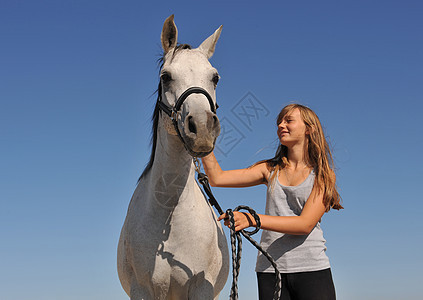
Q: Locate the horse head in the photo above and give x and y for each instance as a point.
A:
(188, 91)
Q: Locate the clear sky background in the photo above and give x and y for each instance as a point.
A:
(76, 95)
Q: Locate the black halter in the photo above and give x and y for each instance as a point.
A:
(172, 112)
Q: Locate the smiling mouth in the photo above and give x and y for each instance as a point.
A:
(282, 135)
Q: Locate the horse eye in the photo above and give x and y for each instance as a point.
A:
(215, 79)
(166, 77)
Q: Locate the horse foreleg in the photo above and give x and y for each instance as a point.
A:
(139, 292)
(200, 288)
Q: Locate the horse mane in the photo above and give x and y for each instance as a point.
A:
(156, 112)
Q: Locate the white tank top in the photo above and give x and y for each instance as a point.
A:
(292, 253)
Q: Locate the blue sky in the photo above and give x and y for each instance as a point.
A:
(76, 94)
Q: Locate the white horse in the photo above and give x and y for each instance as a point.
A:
(171, 246)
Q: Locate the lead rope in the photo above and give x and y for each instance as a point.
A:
(236, 241)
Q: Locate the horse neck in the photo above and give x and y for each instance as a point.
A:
(170, 152)
(173, 170)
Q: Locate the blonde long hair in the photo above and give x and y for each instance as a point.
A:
(317, 155)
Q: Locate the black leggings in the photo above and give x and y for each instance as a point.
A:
(316, 285)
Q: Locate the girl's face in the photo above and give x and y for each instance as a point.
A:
(292, 129)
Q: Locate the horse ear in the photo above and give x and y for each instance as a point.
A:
(208, 46)
(169, 35)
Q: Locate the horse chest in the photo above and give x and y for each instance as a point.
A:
(189, 231)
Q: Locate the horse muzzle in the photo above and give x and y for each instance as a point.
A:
(199, 133)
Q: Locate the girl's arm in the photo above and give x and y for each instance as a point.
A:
(251, 176)
(297, 225)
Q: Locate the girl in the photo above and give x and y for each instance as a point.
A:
(300, 188)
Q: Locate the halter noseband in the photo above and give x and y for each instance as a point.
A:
(172, 111)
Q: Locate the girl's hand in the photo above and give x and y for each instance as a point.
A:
(242, 220)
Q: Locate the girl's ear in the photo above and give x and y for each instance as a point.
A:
(310, 130)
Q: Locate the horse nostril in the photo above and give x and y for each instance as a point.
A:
(191, 125)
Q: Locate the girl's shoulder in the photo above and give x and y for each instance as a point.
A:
(264, 168)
